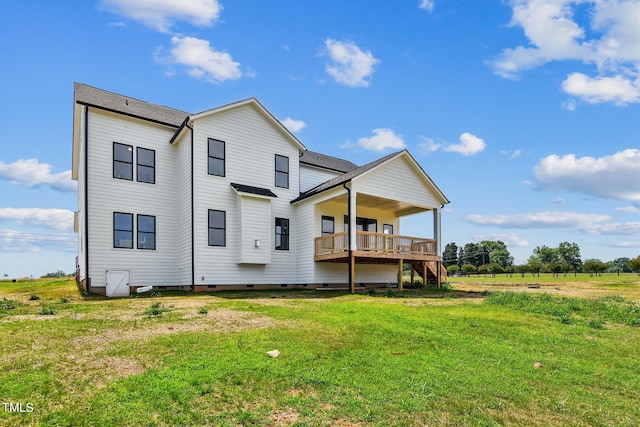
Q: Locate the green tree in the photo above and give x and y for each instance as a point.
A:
(622, 264)
(450, 254)
(453, 269)
(469, 268)
(595, 266)
(534, 266)
(569, 253)
(494, 269)
(545, 255)
(634, 264)
(57, 274)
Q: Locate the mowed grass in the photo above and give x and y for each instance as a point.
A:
(412, 358)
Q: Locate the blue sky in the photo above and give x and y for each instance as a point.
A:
(526, 113)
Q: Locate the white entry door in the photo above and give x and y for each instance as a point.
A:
(118, 283)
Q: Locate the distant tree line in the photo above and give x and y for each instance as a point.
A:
(493, 257)
(57, 274)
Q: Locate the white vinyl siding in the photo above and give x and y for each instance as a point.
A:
(311, 177)
(108, 195)
(251, 143)
(396, 180)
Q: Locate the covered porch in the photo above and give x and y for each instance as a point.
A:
(380, 248)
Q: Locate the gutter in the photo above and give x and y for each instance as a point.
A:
(86, 198)
(193, 249)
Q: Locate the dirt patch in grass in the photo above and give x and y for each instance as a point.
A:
(284, 418)
(215, 321)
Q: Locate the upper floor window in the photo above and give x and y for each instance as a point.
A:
(146, 232)
(217, 228)
(328, 225)
(122, 161)
(216, 157)
(282, 234)
(282, 171)
(146, 166)
(122, 230)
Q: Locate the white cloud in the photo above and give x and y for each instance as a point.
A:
(57, 219)
(294, 125)
(630, 209)
(382, 139)
(510, 239)
(32, 173)
(618, 89)
(546, 219)
(17, 241)
(201, 60)
(469, 145)
(349, 65)
(426, 5)
(161, 14)
(610, 177)
(622, 229)
(624, 245)
(512, 155)
(428, 145)
(610, 41)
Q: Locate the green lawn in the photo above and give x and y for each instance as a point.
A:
(415, 358)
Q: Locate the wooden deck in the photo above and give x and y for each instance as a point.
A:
(375, 248)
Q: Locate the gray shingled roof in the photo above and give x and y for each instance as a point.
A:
(88, 95)
(344, 178)
(253, 190)
(327, 162)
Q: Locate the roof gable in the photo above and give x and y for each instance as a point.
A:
(370, 168)
(252, 102)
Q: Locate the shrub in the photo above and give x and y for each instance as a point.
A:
(156, 309)
(34, 297)
(47, 311)
(203, 310)
(8, 304)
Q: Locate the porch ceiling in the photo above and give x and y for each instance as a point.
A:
(399, 208)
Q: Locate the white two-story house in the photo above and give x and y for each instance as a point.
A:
(229, 198)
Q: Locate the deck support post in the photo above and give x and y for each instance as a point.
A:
(412, 274)
(438, 273)
(400, 276)
(424, 274)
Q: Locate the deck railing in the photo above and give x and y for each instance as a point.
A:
(375, 242)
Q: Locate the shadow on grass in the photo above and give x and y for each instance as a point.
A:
(306, 294)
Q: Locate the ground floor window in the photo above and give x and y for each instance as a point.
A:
(217, 228)
(146, 232)
(282, 234)
(328, 225)
(122, 230)
(362, 224)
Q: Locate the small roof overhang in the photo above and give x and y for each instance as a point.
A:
(249, 190)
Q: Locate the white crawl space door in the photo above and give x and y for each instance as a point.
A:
(118, 283)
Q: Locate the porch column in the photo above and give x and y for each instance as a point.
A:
(437, 233)
(400, 276)
(353, 243)
(352, 220)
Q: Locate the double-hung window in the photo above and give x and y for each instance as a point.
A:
(217, 228)
(122, 230)
(216, 157)
(122, 161)
(328, 225)
(146, 165)
(282, 171)
(146, 232)
(282, 234)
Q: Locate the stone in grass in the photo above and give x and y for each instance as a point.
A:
(537, 365)
(273, 353)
